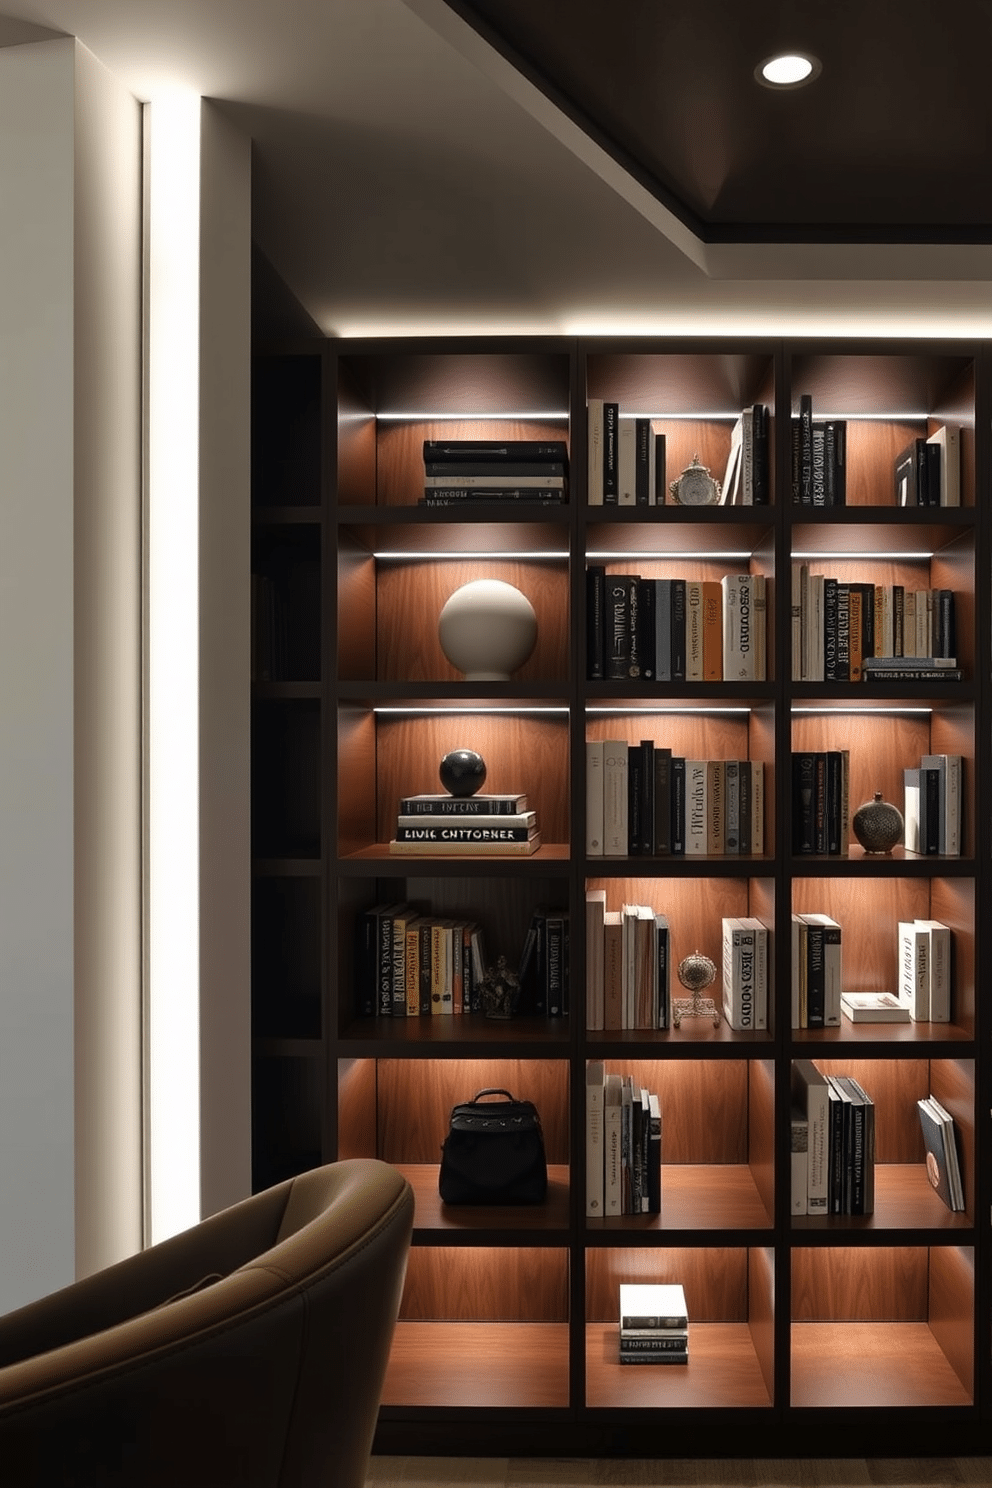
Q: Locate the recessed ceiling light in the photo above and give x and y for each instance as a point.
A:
(788, 70)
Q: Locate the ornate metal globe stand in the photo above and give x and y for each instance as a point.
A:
(696, 972)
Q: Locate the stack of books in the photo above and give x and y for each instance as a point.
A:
(925, 970)
(675, 630)
(933, 805)
(745, 974)
(623, 1145)
(443, 825)
(654, 1323)
(644, 801)
(816, 971)
(460, 472)
(819, 458)
(943, 1168)
(833, 1143)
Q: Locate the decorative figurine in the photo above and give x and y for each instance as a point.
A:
(878, 825)
(499, 990)
(695, 486)
(462, 772)
(696, 972)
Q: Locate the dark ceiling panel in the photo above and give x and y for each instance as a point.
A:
(890, 142)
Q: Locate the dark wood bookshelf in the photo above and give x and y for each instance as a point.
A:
(872, 1330)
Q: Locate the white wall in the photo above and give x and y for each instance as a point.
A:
(37, 1221)
(225, 721)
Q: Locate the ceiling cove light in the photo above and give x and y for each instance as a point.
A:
(788, 70)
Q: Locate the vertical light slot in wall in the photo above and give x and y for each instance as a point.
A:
(172, 1100)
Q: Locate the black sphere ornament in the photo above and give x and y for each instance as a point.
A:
(463, 772)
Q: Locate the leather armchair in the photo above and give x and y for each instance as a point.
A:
(249, 1350)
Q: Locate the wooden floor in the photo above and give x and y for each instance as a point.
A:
(525, 1472)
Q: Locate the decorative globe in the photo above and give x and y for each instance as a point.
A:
(878, 825)
(462, 772)
(696, 972)
(487, 630)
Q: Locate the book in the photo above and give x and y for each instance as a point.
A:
(947, 440)
(366, 958)
(873, 1007)
(824, 939)
(696, 808)
(914, 969)
(613, 970)
(482, 486)
(809, 1090)
(499, 822)
(612, 1145)
(446, 450)
(439, 849)
(615, 798)
(653, 1306)
(464, 834)
(859, 1147)
(799, 1153)
(942, 1165)
(595, 1151)
(620, 611)
(509, 472)
(595, 922)
(594, 426)
(611, 453)
(477, 805)
(745, 989)
(938, 968)
(594, 797)
(655, 1138)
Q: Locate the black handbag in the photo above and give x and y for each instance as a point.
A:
(494, 1153)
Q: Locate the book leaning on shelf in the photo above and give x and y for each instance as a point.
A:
(654, 1323)
(623, 1145)
(943, 1166)
(924, 986)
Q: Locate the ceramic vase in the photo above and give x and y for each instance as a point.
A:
(487, 629)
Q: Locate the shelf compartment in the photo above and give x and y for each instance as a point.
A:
(286, 957)
(717, 1144)
(868, 912)
(388, 611)
(288, 1117)
(903, 1196)
(883, 1327)
(888, 399)
(399, 1109)
(464, 1306)
(286, 430)
(385, 756)
(285, 599)
(730, 1301)
(286, 779)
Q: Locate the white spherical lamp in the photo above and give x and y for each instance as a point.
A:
(487, 630)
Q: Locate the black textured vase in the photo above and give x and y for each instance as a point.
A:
(878, 825)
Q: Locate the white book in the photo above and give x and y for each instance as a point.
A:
(798, 972)
(696, 808)
(595, 437)
(594, 798)
(730, 485)
(732, 833)
(809, 1090)
(740, 649)
(595, 993)
(800, 1160)
(747, 457)
(693, 630)
(655, 1306)
(595, 1113)
(626, 462)
(939, 967)
(745, 974)
(815, 657)
(615, 808)
(911, 809)
(612, 1146)
(913, 987)
(760, 625)
(948, 438)
(663, 630)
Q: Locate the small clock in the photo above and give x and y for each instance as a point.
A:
(695, 486)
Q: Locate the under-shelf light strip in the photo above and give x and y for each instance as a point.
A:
(661, 708)
(435, 557)
(480, 708)
(869, 707)
(875, 556)
(437, 416)
(557, 416)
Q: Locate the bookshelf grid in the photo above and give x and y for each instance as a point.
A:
(354, 704)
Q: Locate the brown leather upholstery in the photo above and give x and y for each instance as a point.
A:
(247, 1351)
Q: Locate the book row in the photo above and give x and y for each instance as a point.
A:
(923, 993)
(833, 1143)
(627, 461)
(819, 458)
(675, 630)
(644, 801)
(853, 632)
(623, 1145)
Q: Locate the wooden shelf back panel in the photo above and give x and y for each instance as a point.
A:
(681, 382)
(723, 1371)
(459, 1284)
(871, 1366)
(858, 1285)
(895, 1085)
(707, 1196)
(486, 1366)
(400, 450)
(411, 596)
(715, 1281)
(705, 1106)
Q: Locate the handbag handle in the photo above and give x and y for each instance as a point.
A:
(492, 1090)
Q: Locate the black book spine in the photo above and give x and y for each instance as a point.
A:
(662, 802)
(642, 457)
(922, 473)
(834, 800)
(595, 622)
(761, 481)
(618, 622)
(635, 798)
(678, 630)
(745, 791)
(647, 590)
(806, 449)
(815, 980)
(837, 1164)
(838, 473)
(660, 471)
(678, 805)
(804, 803)
(635, 666)
(930, 810)
(947, 626)
(933, 473)
(501, 470)
(646, 813)
(460, 450)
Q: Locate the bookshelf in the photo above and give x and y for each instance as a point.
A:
(877, 1323)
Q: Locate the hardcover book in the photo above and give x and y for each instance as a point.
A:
(943, 1167)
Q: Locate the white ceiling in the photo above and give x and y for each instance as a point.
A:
(407, 182)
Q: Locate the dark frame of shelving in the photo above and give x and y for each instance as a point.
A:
(781, 1430)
